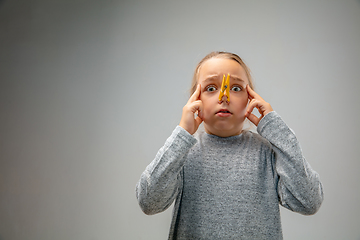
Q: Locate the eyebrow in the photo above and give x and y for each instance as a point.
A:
(237, 78)
(211, 78)
(215, 77)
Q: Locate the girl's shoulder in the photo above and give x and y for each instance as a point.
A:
(255, 138)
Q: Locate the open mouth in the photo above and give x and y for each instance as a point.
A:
(224, 112)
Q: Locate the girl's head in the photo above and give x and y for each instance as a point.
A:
(224, 55)
(220, 117)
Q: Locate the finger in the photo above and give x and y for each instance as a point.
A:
(252, 94)
(253, 104)
(248, 89)
(196, 95)
(199, 112)
(196, 107)
(198, 121)
(254, 119)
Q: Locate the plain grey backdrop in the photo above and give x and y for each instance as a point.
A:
(90, 90)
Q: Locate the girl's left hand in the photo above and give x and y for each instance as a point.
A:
(256, 102)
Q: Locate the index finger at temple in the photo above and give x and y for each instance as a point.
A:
(252, 93)
(196, 95)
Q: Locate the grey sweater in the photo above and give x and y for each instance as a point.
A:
(230, 188)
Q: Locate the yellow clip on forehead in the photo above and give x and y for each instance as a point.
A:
(225, 88)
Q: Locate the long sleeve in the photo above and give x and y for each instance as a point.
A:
(299, 187)
(161, 181)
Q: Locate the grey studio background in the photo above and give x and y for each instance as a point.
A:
(90, 90)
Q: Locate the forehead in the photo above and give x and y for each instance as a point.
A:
(220, 66)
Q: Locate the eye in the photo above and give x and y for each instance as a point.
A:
(236, 88)
(210, 88)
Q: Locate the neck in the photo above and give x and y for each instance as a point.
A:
(223, 133)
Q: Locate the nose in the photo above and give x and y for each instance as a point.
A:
(224, 91)
(224, 99)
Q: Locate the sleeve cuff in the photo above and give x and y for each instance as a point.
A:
(267, 119)
(184, 135)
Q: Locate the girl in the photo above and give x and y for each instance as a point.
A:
(227, 182)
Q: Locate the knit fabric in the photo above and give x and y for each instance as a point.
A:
(230, 188)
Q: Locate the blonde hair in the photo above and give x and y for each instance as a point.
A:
(225, 55)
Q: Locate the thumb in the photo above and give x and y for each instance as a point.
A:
(198, 121)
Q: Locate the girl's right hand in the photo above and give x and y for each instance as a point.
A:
(192, 107)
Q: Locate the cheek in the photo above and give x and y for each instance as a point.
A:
(208, 106)
(242, 103)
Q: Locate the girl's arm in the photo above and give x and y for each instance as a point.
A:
(299, 187)
(161, 181)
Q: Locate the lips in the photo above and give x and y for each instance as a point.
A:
(223, 113)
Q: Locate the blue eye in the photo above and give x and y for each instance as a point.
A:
(210, 88)
(236, 88)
